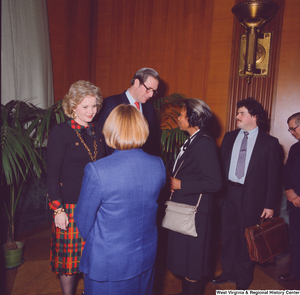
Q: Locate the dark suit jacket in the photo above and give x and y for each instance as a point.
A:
(262, 181)
(66, 159)
(152, 144)
(199, 173)
(291, 172)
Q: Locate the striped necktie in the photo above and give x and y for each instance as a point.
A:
(240, 167)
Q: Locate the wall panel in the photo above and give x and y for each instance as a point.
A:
(71, 29)
(191, 43)
(171, 36)
(187, 42)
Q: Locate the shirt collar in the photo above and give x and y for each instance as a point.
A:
(251, 132)
(130, 98)
(74, 125)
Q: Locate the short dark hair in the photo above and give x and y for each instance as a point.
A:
(143, 73)
(255, 109)
(294, 116)
(198, 113)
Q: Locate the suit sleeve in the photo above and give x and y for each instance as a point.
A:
(208, 178)
(89, 201)
(274, 174)
(288, 169)
(56, 149)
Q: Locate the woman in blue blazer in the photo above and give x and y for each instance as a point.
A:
(116, 211)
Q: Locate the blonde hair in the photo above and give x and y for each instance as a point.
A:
(125, 128)
(77, 92)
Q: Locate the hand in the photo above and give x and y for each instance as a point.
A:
(61, 220)
(296, 201)
(175, 184)
(267, 213)
(290, 195)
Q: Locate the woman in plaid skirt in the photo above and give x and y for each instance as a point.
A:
(71, 146)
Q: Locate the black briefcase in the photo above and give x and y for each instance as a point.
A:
(267, 239)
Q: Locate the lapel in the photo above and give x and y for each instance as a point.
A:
(228, 149)
(188, 150)
(144, 107)
(124, 98)
(259, 143)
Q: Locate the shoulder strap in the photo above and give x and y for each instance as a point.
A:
(199, 199)
(178, 168)
(197, 205)
(200, 196)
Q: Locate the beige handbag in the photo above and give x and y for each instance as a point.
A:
(180, 217)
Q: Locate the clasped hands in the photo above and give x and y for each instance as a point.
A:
(292, 197)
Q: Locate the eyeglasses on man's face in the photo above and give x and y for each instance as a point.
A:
(292, 129)
(149, 90)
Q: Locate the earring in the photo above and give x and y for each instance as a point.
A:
(73, 115)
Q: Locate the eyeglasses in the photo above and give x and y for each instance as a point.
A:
(293, 128)
(148, 90)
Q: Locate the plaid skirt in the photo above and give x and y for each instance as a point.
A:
(66, 246)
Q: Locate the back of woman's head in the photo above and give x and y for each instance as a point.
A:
(198, 113)
(125, 128)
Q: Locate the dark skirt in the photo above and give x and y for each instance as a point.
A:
(189, 256)
(66, 246)
(140, 285)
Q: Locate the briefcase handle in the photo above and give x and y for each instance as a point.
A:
(262, 220)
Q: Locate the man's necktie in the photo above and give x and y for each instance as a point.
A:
(137, 105)
(240, 167)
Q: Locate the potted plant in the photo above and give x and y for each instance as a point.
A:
(172, 138)
(23, 130)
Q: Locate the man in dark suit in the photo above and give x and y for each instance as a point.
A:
(144, 85)
(251, 165)
(291, 181)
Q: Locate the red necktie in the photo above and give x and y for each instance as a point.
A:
(137, 105)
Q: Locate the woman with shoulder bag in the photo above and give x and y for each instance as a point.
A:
(196, 174)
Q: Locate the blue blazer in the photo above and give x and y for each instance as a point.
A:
(116, 214)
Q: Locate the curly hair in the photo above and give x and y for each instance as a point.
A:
(255, 109)
(77, 92)
(198, 113)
